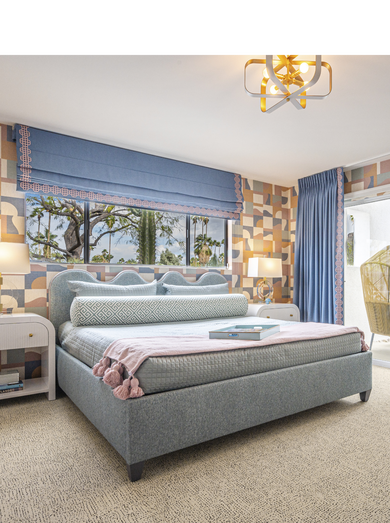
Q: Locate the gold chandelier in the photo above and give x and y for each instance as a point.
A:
(281, 75)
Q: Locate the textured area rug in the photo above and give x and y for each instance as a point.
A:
(329, 464)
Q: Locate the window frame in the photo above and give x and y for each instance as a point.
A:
(86, 249)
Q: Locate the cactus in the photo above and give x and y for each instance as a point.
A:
(147, 238)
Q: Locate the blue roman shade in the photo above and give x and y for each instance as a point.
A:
(54, 164)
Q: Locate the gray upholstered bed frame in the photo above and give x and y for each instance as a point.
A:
(156, 424)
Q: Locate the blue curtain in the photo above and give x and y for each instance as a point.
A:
(319, 247)
(59, 165)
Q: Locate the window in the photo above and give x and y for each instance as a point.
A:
(55, 231)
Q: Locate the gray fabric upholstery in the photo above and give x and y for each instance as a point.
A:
(61, 297)
(156, 424)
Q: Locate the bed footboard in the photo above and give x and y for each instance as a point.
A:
(141, 428)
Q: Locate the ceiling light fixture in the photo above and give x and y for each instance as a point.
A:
(280, 74)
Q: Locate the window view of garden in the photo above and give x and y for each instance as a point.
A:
(55, 232)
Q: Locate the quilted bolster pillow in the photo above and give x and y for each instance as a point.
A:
(121, 310)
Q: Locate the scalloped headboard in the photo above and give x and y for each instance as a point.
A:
(61, 297)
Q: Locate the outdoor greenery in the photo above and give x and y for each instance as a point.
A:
(55, 232)
(349, 244)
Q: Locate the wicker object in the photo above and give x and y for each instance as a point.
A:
(375, 274)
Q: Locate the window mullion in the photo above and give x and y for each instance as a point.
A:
(86, 232)
(225, 244)
(188, 240)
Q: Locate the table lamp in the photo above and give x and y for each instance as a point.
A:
(14, 259)
(265, 268)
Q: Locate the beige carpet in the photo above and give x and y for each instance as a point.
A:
(381, 348)
(330, 464)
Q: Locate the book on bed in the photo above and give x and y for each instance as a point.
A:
(245, 332)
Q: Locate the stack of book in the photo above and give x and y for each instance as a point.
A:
(9, 381)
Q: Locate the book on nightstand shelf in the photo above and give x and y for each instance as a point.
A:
(9, 376)
(13, 387)
(245, 332)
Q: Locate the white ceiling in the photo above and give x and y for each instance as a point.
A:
(195, 109)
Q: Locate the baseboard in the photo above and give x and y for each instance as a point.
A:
(381, 363)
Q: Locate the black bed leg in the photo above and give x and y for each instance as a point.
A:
(135, 470)
(365, 395)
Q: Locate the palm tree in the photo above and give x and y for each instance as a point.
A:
(37, 252)
(50, 239)
(104, 257)
(206, 221)
(202, 248)
(110, 222)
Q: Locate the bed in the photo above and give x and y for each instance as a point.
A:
(189, 399)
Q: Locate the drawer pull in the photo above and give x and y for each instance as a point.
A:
(291, 314)
(30, 335)
(267, 316)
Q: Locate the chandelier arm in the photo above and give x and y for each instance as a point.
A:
(313, 81)
(319, 96)
(290, 96)
(294, 96)
(259, 62)
(272, 75)
(295, 102)
(277, 105)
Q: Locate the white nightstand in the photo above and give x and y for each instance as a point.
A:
(276, 311)
(21, 331)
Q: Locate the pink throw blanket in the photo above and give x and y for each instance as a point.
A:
(131, 352)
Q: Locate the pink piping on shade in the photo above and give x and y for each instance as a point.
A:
(122, 200)
(25, 152)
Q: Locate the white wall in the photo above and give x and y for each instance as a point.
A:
(372, 233)
(361, 221)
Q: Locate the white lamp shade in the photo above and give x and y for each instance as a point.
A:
(14, 258)
(264, 268)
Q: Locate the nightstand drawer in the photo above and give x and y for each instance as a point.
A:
(23, 335)
(274, 311)
(286, 314)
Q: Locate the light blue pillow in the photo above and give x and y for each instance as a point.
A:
(83, 288)
(190, 290)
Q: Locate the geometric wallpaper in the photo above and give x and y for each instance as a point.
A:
(266, 227)
(370, 176)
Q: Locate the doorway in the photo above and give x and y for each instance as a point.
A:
(367, 231)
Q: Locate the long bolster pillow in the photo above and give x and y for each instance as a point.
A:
(121, 310)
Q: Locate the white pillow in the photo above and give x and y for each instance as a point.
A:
(83, 288)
